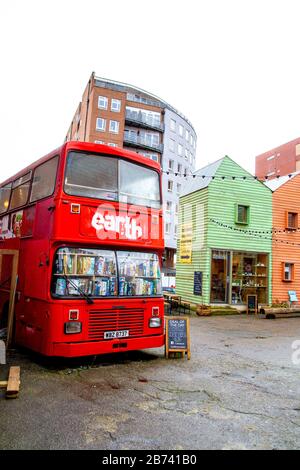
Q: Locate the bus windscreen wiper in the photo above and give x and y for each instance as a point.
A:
(81, 292)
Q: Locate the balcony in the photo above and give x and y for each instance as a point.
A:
(134, 140)
(142, 120)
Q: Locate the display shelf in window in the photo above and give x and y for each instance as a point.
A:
(139, 274)
(94, 272)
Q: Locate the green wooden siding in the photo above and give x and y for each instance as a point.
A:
(219, 201)
(193, 208)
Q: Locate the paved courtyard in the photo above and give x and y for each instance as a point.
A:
(240, 390)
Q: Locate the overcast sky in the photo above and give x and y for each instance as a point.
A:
(231, 66)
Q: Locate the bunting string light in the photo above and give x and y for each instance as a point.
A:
(254, 235)
(256, 232)
(225, 177)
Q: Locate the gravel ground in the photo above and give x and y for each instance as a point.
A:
(240, 390)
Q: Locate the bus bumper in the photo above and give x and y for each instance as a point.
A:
(94, 348)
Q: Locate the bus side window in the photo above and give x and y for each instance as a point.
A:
(44, 177)
(4, 198)
(20, 190)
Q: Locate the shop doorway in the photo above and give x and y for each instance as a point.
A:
(220, 276)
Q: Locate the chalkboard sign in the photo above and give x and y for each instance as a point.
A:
(178, 335)
(197, 283)
(252, 303)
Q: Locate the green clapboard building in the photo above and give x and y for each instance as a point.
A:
(224, 237)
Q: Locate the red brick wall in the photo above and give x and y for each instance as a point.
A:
(284, 161)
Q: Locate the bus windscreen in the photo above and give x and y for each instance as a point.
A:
(110, 178)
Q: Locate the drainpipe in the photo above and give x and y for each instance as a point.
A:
(87, 105)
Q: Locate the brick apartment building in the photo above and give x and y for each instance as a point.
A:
(122, 115)
(279, 161)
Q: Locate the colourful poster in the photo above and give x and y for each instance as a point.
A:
(186, 243)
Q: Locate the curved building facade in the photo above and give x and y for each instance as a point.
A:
(122, 115)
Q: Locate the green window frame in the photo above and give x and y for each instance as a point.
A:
(242, 214)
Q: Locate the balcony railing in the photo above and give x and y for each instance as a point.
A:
(139, 141)
(141, 119)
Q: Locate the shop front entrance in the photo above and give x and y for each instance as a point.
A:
(234, 275)
(220, 276)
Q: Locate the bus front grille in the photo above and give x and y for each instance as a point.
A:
(131, 320)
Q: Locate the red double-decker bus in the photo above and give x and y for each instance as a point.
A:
(87, 223)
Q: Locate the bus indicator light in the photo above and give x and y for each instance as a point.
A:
(75, 208)
(155, 311)
(73, 314)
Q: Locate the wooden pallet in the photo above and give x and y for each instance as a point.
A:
(12, 385)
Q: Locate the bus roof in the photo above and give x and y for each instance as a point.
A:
(90, 147)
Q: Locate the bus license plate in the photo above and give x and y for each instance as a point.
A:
(116, 334)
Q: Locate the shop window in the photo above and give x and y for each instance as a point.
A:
(242, 214)
(288, 272)
(249, 276)
(292, 220)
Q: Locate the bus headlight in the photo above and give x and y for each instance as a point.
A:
(155, 322)
(73, 327)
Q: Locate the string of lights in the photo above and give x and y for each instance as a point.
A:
(224, 177)
(254, 235)
(273, 230)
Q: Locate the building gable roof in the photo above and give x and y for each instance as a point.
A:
(276, 183)
(197, 183)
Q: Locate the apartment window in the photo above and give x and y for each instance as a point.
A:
(191, 140)
(172, 145)
(186, 154)
(180, 149)
(101, 124)
(178, 188)
(180, 130)
(288, 270)
(186, 171)
(102, 102)
(171, 164)
(271, 157)
(149, 138)
(169, 206)
(111, 144)
(242, 214)
(179, 168)
(170, 185)
(187, 135)
(99, 142)
(114, 126)
(176, 209)
(173, 125)
(175, 230)
(152, 156)
(168, 228)
(292, 220)
(115, 105)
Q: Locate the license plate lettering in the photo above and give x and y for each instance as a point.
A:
(116, 334)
